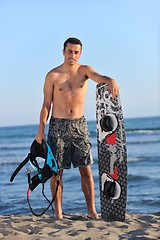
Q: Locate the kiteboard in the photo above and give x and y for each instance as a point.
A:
(112, 154)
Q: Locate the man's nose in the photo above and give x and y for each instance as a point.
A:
(73, 54)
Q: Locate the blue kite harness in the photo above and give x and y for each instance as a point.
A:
(49, 169)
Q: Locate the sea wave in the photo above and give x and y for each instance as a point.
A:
(137, 178)
(136, 159)
(144, 131)
(147, 141)
(10, 163)
(11, 148)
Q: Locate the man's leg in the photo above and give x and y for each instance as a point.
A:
(58, 199)
(88, 190)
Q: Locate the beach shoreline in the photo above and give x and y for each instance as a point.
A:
(79, 227)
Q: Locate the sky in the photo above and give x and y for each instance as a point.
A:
(121, 39)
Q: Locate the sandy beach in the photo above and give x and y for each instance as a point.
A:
(78, 227)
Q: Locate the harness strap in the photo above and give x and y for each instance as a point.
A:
(21, 165)
(50, 202)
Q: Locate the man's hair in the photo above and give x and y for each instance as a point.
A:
(72, 40)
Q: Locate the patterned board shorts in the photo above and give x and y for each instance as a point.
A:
(69, 141)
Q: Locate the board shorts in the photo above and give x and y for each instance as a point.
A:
(69, 141)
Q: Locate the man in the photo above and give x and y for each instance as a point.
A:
(65, 89)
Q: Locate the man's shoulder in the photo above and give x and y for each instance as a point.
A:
(54, 71)
(84, 68)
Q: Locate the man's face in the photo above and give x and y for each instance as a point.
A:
(72, 53)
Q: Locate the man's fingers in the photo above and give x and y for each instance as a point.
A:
(38, 140)
(116, 91)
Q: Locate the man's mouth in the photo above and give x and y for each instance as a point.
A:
(71, 60)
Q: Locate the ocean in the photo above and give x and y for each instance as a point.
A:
(143, 147)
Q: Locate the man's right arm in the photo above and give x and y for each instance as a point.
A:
(48, 96)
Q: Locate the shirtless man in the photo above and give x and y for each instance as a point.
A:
(65, 89)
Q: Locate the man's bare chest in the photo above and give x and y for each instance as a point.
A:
(71, 84)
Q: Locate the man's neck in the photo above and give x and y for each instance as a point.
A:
(70, 68)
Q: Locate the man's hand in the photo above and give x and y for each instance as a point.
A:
(39, 137)
(113, 88)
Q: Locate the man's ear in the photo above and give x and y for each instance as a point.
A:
(63, 51)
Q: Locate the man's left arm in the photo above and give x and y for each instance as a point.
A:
(113, 87)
